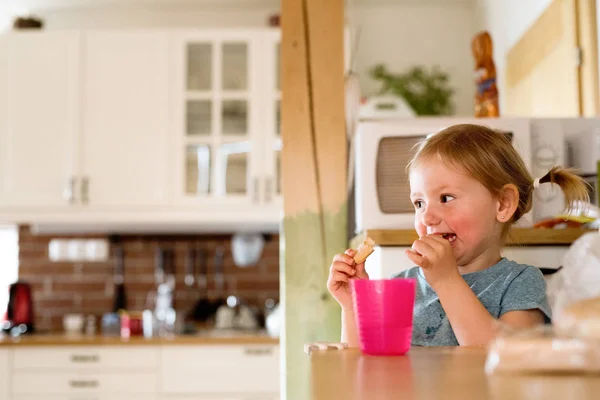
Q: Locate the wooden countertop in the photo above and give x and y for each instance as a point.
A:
(517, 237)
(434, 373)
(205, 338)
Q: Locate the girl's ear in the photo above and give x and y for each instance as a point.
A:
(508, 201)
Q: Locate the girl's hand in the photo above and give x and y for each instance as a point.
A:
(435, 256)
(342, 269)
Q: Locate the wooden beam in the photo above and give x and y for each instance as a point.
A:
(588, 70)
(314, 161)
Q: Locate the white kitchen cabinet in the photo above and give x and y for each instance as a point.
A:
(249, 396)
(229, 370)
(40, 118)
(85, 358)
(112, 396)
(84, 372)
(125, 130)
(272, 144)
(163, 372)
(122, 129)
(82, 383)
(217, 120)
(5, 374)
(84, 119)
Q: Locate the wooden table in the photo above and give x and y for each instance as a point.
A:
(434, 373)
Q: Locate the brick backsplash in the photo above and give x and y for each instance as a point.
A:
(87, 287)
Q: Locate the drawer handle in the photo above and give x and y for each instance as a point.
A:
(84, 384)
(258, 351)
(83, 398)
(85, 358)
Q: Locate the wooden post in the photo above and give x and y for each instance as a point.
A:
(314, 161)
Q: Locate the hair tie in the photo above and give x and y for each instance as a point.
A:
(536, 183)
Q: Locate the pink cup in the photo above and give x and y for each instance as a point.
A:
(384, 314)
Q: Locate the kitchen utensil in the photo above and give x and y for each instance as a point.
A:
(164, 308)
(73, 323)
(203, 309)
(111, 324)
(219, 280)
(190, 262)
(120, 297)
(246, 249)
(384, 314)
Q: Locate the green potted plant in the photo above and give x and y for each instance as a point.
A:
(426, 91)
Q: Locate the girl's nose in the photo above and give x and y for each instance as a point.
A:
(431, 216)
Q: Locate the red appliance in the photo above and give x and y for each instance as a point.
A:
(19, 313)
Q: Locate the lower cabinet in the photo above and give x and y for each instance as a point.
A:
(148, 372)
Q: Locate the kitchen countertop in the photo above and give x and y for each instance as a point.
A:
(201, 338)
(516, 237)
(434, 373)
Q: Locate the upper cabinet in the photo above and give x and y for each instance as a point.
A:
(125, 127)
(216, 117)
(167, 126)
(40, 116)
(271, 113)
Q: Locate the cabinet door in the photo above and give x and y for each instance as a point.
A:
(126, 118)
(272, 119)
(216, 101)
(5, 370)
(39, 118)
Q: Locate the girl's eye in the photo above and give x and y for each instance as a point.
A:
(446, 198)
(418, 204)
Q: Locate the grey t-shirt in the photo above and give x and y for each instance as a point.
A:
(505, 286)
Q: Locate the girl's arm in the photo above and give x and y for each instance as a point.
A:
(349, 333)
(471, 322)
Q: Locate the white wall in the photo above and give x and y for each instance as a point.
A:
(405, 35)
(507, 21)
(399, 36)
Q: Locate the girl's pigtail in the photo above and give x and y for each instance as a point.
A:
(573, 186)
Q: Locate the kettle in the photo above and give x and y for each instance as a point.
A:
(19, 313)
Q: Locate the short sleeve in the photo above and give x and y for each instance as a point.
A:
(527, 291)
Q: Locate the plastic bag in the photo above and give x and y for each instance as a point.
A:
(572, 343)
(542, 350)
(574, 291)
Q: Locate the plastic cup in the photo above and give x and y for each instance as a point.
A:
(384, 314)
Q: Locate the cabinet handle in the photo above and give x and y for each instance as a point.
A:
(256, 191)
(85, 190)
(69, 192)
(268, 189)
(258, 351)
(84, 384)
(85, 358)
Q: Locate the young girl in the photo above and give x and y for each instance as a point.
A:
(468, 185)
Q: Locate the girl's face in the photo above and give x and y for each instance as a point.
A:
(453, 204)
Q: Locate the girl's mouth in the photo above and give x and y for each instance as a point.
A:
(450, 237)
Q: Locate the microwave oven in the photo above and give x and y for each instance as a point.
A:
(384, 147)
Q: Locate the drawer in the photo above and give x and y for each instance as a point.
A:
(220, 369)
(82, 383)
(132, 396)
(86, 357)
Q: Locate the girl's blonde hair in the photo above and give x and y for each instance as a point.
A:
(489, 157)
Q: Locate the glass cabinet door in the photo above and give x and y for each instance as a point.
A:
(218, 98)
(273, 145)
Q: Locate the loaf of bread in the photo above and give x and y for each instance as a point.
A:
(364, 250)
